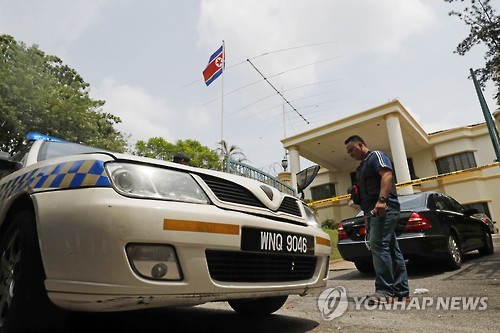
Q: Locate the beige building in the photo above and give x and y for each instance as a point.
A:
(416, 155)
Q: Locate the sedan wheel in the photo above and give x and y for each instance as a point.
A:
(9, 260)
(454, 255)
(364, 266)
(258, 306)
(24, 305)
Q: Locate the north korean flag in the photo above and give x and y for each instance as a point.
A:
(215, 66)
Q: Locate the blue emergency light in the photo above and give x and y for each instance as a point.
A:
(34, 136)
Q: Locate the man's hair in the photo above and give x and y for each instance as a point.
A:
(180, 156)
(354, 138)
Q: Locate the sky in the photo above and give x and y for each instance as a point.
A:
(329, 59)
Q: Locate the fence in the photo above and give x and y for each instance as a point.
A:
(238, 168)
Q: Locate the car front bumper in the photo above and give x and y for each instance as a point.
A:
(83, 235)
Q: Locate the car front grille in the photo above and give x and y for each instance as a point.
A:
(231, 192)
(289, 205)
(229, 266)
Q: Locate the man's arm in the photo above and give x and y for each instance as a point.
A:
(385, 182)
(385, 189)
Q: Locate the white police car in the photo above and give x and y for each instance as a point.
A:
(92, 230)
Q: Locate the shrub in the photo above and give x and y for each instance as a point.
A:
(330, 224)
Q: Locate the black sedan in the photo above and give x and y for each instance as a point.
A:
(432, 226)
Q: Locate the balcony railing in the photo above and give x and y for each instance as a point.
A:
(241, 169)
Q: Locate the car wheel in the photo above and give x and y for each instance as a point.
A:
(364, 266)
(487, 248)
(24, 304)
(454, 255)
(258, 306)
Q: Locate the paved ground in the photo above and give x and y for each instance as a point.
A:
(478, 282)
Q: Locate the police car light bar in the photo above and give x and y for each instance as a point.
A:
(34, 136)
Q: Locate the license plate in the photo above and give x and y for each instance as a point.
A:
(273, 241)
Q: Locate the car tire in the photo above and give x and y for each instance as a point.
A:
(487, 248)
(454, 253)
(258, 306)
(24, 304)
(364, 266)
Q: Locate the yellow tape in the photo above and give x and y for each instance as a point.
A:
(412, 182)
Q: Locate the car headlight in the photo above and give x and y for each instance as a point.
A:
(143, 181)
(311, 218)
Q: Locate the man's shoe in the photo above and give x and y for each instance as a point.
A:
(401, 298)
(379, 298)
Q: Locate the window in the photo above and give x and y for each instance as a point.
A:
(323, 191)
(56, 149)
(444, 202)
(482, 207)
(455, 206)
(456, 162)
(411, 168)
(22, 154)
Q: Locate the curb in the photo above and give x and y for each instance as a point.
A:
(340, 265)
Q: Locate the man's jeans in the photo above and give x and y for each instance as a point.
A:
(390, 269)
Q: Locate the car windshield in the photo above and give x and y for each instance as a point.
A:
(51, 149)
(410, 202)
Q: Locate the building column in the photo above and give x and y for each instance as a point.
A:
(398, 152)
(285, 177)
(293, 152)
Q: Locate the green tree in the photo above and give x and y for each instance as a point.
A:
(484, 29)
(157, 147)
(39, 93)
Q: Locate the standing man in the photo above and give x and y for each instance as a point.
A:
(379, 202)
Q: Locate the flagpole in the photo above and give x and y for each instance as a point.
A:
(222, 94)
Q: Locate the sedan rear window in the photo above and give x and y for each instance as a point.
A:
(410, 202)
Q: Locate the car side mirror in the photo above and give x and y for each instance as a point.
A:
(6, 164)
(305, 178)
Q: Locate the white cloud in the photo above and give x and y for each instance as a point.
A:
(255, 27)
(446, 121)
(381, 25)
(142, 115)
(55, 26)
(384, 25)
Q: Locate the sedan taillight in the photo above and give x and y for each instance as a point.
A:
(362, 231)
(417, 223)
(341, 232)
